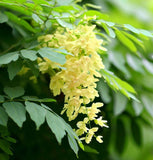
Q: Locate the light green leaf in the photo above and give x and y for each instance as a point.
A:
(14, 92)
(117, 84)
(14, 68)
(108, 30)
(147, 101)
(36, 112)
(103, 91)
(51, 54)
(126, 41)
(64, 2)
(64, 23)
(29, 54)
(73, 143)
(37, 19)
(118, 60)
(7, 58)
(134, 39)
(3, 117)
(3, 18)
(99, 15)
(138, 107)
(56, 125)
(135, 63)
(120, 102)
(131, 28)
(138, 31)
(148, 65)
(16, 112)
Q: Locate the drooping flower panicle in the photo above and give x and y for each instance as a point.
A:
(78, 80)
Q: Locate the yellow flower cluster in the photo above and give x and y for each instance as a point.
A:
(78, 80)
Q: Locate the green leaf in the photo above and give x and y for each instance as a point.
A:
(120, 136)
(59, 127)
(14, 92)
(29, 54)
(126, 41)
(108, 30)
(3, 18)
(147, 101)
(99, 15)
(134, 39)
(136, 132)
(148, 65)
(1, 98)
(16, 112)
(36, 112)
(51, 54)
(37, 19)
(20, 21)
(5, 146)
(117, 84)
(73, 143)
(64, 23)
(120, 103)
(103, 91)
(138, 107)
(64, 2)
(90, 150)
(36, 99)
(138, 31)
(131, 28)
(135, 63)
(14, 68)
(3, 117)
(56, 125)
(119, 62)
(7, 58)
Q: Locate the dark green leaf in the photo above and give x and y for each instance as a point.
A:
(14, 92)
(5, 146)
(36, 99)
(136, 132)
(1, 98)
(120, 140)
(14, 68)
(90, 150)
(16, 111)
(29, 54)
(3, 117)
(51, 54)
(36, 112)
(7, 58)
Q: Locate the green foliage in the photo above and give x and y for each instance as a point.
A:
(128, 71)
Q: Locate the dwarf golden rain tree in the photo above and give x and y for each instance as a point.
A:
(56, 69)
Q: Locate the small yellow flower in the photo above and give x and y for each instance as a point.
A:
(99, 139)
